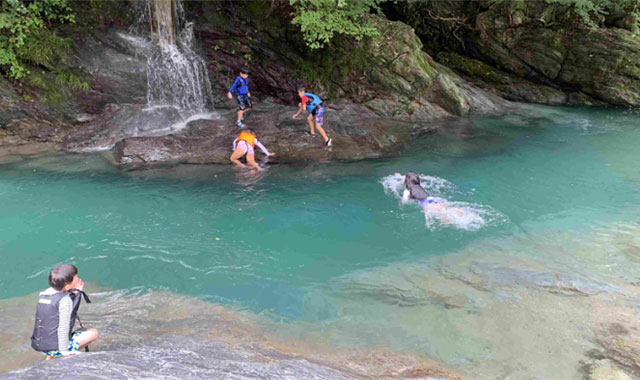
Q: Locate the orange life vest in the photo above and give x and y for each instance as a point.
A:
(248, 137)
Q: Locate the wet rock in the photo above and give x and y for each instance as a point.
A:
(8, 116)
(617, 331)
(606, 370)
(117, 64)
(354, 137)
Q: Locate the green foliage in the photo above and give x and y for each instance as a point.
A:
(586, 9)
(26, 34)
(593, 12)
(54, 86)
(320, 20)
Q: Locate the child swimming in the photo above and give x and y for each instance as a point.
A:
(427, 192)
(413, 190)
(430, 205)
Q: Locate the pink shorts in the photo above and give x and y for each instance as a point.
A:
(246, 148)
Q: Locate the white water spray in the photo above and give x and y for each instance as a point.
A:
(461, 215)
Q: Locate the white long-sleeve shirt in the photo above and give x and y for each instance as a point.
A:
(262, 148)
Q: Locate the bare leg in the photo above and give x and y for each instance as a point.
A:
(311, 124)
(321, 130)
(236, 156)
(87, 337)
(251, 161)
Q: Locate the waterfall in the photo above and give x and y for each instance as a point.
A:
(176, 75)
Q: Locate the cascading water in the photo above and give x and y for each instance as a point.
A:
(178, 86)
(176, 75)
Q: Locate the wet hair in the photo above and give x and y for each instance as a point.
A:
(411, 179)
(62, 275)
(302, 89)
(244, 70)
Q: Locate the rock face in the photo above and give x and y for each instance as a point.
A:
(371, 112)
(398, 94)
(26, 127)
(355, 132)
(390, 73)
(531, 51)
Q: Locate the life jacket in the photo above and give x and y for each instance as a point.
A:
(312, 101)
(418, 192)
(248, 137)
(45, 329)
(243, 89)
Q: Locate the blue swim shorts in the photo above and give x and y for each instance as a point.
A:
(428, 200)
(74, 345)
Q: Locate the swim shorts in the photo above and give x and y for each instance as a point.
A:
(74, 345)
(318, 113)
(244, 102)
(246, 147)
(428, 200)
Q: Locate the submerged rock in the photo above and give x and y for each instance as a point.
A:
(553, 282)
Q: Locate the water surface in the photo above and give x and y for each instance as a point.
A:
(327, 253)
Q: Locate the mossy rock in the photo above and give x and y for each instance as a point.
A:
(473, 68)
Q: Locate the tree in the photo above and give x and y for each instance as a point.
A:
(320, 20)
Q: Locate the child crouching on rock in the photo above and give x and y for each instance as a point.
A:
(243, 145)
(56, 314)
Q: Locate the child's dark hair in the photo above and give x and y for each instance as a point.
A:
(244, 70)
(250, 131)
(62, 275)
(302, 89)
(411, 179)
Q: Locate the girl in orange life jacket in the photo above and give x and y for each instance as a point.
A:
(243, 145)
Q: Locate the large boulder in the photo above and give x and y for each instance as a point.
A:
(356, 133)
(532, 51)
(389, 73)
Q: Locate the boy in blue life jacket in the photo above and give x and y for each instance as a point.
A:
(240, 88)
(313, 104)
(56, 314)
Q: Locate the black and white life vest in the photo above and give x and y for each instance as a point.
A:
(45, 329)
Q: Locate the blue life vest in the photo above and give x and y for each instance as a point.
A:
(312, 101)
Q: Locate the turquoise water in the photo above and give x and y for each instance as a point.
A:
(277, 242)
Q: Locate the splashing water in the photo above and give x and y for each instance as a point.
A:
(436, 186)
(444, 213)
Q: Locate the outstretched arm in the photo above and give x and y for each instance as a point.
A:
(262, 148)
